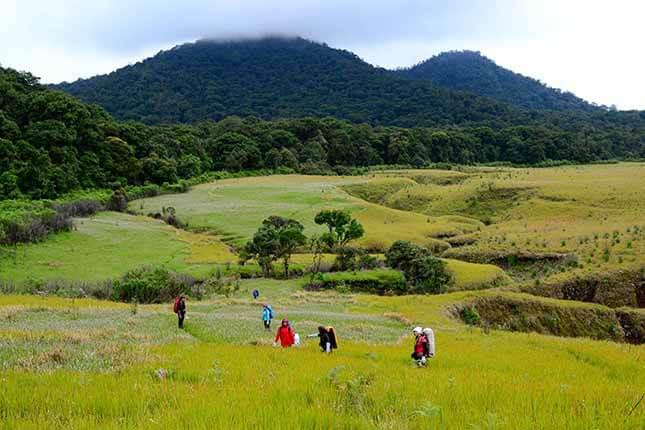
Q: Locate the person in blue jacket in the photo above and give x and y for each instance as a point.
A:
(267, 316)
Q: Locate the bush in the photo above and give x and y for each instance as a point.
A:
(118, 201)
(429, 275)
(30, 221)
(158, 285)
(425, 273)
(470, 316)
(382, 282)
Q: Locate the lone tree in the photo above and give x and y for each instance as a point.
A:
(342, 228)
(277, 239)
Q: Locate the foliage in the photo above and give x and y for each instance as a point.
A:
(277, 238)
(382, 282)
(471, 71)
(47, 152)
(147, 285)
(424, 272)
(118, 201)
(342, 228)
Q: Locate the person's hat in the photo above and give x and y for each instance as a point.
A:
(417, 330)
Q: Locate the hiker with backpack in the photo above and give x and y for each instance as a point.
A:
(285, 334)
(179, 307)
(267, 316)
(327, 338)
(424, 347)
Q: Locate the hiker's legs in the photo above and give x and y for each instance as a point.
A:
(181, 317)
(267, 324)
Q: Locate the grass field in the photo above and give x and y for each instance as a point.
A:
(222, 372)
(235, 208)
(108, 245)
(81, 363)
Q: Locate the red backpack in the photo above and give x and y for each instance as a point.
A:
(175, 306)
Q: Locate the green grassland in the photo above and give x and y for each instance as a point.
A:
(117, 365)
(233, 209)
(221, 372)
(108, 245)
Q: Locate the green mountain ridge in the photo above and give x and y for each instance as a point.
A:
(272, 78)
(473, 72)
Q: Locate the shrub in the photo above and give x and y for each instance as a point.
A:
(382, 282)
(425, 273)
(429, 275)
(118, 201)
(147, 285)
(470, 316)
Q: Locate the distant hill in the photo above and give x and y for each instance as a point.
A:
(276, 78)
(473, 72)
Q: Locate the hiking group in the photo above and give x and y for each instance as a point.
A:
(424, 343)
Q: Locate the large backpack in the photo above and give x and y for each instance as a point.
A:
(270, 312)
(431, 345)
(333, 339)
(175, 306)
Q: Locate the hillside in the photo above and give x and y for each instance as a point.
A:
(473, 72)
(275, 78)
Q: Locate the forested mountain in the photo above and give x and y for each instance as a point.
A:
(51, 143)
(471, 71)
(276, 78)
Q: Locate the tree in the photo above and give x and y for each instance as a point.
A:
(342, 228)
(277, 239)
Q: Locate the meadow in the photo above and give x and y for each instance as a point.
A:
(115, 366)
(508, 236)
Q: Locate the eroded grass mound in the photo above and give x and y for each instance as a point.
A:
(522, 313)
(614, 288)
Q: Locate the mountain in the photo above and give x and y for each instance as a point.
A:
(473, 72)
(276, 77)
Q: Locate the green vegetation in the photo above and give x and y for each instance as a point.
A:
(47, 153)
(108, 245)
(471, 71)
(277, 239)
(135, 368)
(531, 314)
(128, 365)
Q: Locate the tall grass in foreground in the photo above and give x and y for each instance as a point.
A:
(496, 381)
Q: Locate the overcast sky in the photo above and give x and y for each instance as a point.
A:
(593, 48)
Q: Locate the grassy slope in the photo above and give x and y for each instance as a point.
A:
(108, 245)
(595, 212)
(223, 373)
(235, 208)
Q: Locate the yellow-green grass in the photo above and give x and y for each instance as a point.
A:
(473, 276)
(477, 380)
(109, 244)
(596, 212)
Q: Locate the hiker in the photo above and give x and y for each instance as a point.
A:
(180, 309)
(255, 293)
(267, 316)
(421, 347)
(328, 341)
(285, 334)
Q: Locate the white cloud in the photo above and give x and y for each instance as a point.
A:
(592, 48)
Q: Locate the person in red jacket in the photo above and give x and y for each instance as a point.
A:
(421, 347)
(285, 334)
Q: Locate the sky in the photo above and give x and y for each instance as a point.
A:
(592, 48)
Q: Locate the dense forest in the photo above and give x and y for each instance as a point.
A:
(52, 143)
(275, 78)
(472, 72)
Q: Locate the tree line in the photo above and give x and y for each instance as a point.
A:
(51, 144)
